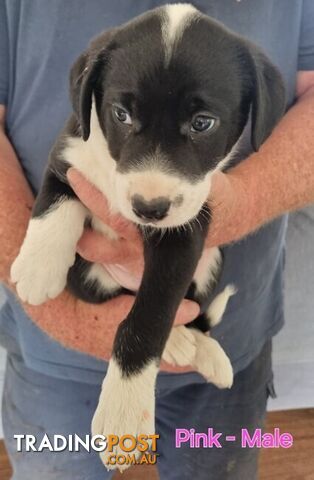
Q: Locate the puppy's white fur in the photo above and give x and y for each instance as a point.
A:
(191, 347)
(156, 183)
(218, 306)
(175, 19)
(92, 158)
(211, 361)
(181, 347)
(209, 262)
(48, 251)
(103, 279)
(126, 406)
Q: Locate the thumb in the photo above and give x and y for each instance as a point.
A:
(187, 311)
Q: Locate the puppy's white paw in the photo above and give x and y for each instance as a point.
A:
(180, 348)
(126, 407)
(40, 270)
(212, 362)
(40, 275)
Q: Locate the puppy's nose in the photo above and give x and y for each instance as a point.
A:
(155, 209)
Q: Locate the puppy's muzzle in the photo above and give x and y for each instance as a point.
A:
(155, 209)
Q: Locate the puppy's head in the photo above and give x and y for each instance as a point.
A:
(171, 92)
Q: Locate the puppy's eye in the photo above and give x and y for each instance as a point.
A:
(122, 115)
(202, 123)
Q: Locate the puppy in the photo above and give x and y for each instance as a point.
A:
(159, 105)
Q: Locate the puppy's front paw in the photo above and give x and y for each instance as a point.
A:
(212, 362)
(40, 270)
(180, 348)
(126, 407)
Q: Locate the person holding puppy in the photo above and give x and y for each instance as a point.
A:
(55, 351)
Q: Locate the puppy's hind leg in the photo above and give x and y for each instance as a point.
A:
(180, 349)
(191, 347)
(211, 361)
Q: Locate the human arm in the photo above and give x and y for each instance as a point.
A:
(279, 178)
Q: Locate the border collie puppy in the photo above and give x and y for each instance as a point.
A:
(159, 105)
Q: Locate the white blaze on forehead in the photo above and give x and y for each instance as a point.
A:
(176, 18)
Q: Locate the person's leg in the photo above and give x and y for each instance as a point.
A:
(203, 406)
(37, 404)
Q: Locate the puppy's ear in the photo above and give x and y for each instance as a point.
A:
(268, 102)
(84, 75)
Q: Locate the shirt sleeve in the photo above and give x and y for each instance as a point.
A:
(4, 54)
(306, 45)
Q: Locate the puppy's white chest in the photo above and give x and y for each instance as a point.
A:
(92, 158)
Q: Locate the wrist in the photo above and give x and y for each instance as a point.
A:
(231, 207)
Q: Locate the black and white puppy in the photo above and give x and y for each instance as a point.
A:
(159, 105)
